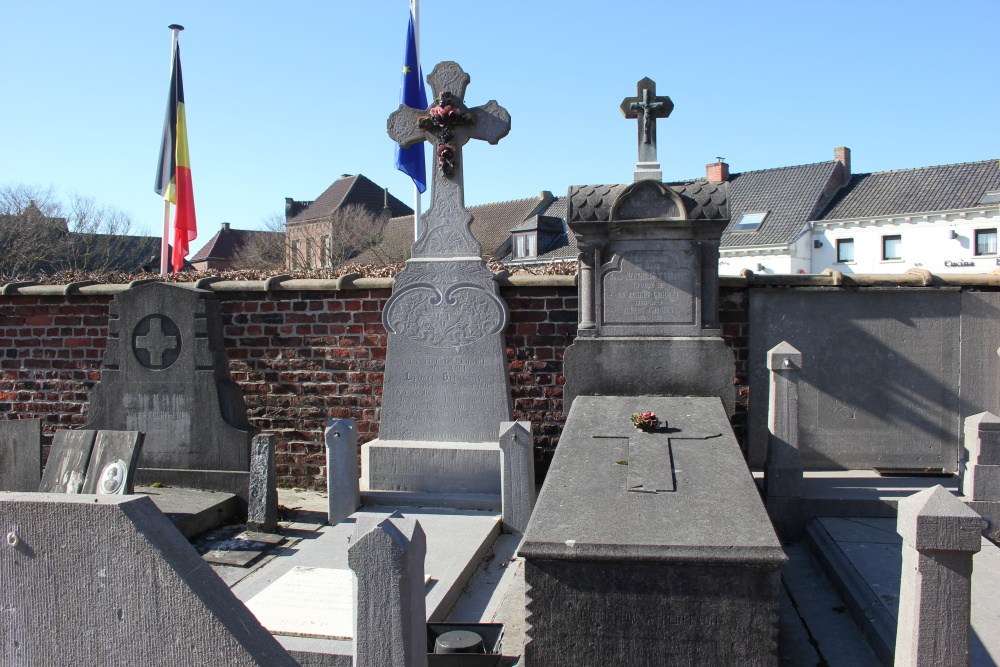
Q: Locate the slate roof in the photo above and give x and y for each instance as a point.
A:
(226, 243)
(491, 226)
(943, 188)
(704, 200)
(792, 196)
(350, 189)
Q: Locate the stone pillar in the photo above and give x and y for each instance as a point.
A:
(585, 289)
(980, 467)
(783, 472)
(390, 612)
(517, 475)
(262, 511)
(940, 535)
(342, 485)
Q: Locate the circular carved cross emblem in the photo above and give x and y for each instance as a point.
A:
(156, 342)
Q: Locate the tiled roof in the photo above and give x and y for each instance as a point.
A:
(491, 226)
(226, 243)
(347, 190)
(792, 196)
(704, 200)
(944, 188)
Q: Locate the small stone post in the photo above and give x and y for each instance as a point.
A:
(342, 482)
(980, 468)
(940, 535)
(390, 612)
(262, 511)
(783, 472)
(517, 475)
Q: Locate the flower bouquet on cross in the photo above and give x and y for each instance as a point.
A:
(645, 421)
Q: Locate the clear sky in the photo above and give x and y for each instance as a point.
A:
(283, 98)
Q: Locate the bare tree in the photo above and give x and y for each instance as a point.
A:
(41, 234)
(266, 249)
(352, 230)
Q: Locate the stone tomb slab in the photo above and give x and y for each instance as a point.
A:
(20, 454)
(650, 575)
(111, 469)
(67, 463)
(308, 602)
(166, 373)
(879, 386)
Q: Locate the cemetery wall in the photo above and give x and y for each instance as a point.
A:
(307, 354)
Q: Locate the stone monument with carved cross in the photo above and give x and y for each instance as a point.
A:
(646, 106)
(166, 373)
(446, 389)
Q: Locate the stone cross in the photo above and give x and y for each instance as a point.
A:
(156, 342)
(448, 124)
(647, 107)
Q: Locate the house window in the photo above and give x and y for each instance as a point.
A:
(296, 257)
(845, 250)
(892, 247)
(324, 248)
(749, 222)
(986, 241)
(524, 245)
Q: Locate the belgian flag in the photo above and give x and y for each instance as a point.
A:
(173, 174)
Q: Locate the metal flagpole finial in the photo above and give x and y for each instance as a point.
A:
(174, 26)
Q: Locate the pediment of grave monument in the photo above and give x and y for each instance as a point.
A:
(166, 373)
(647, 200)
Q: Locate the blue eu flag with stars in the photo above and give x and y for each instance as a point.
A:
(410, 160)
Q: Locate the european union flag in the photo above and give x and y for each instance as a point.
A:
(410, 160)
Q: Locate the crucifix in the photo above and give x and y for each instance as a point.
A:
(647, 107)
(448, 125)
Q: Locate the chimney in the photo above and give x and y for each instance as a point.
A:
(386, 210)
(717, 171)
(225, 226)
(842, 154)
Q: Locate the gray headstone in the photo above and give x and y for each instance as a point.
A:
(342, 481)
(262, 512)
(517, 474)
(67, 463)
(166, 373)
(111, 469)
(115, 582)
(881, 388)
(390, 624)
(621, 570)
(980, 469)
(646, 107)
(940, 535)
(446, 367)
(20, 454)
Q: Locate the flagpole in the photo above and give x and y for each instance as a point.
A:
(165, 243)
(415, 8)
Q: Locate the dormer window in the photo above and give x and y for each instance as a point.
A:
(525, 245)
(749, 222)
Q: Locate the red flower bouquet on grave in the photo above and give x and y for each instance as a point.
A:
(645, 421)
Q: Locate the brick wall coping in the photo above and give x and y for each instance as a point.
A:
(913, 277)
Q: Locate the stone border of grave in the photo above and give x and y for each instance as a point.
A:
(831, 279)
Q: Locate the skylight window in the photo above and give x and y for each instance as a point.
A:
(990, 197)
(749, 222)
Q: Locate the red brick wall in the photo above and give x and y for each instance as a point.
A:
(300, 358)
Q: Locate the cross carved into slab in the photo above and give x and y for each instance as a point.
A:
(646, 106)
(156, 342)
(650, 459)
(448, 125)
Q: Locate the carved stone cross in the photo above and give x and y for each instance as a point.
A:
(647, 107)
(448, 125)
(156, 342)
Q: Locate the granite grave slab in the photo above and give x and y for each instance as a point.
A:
(166, 373)
(20, 454)
(131, 587)
(675, 563)
(67, 463)
(879, 385)
(111, 469)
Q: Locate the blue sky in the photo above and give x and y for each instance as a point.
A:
(282, 98)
